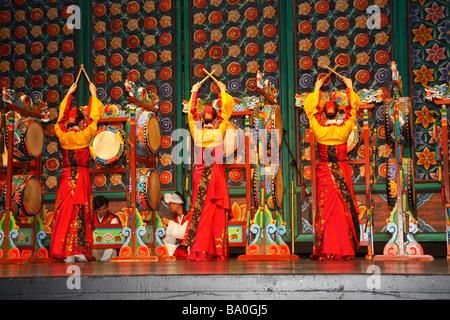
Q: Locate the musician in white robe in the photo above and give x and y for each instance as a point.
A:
(175, 228)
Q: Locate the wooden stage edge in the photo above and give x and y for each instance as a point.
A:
(403, 258)
(248, 257)
(228, 280)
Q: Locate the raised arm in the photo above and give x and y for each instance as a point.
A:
(225, 112)
(354, 101)
(192, 108)
(70, 139)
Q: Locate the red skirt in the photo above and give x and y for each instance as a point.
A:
(211, 237)
(336, 236)
(72, 231)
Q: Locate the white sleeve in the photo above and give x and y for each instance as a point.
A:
(176, 230)
(108, 254)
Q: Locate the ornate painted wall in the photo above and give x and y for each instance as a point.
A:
(39, 58)
(135, 40)
(340, 32)
(138, 40)
(235, 39)
(429, 43)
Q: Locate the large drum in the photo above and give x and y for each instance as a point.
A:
(28, 139)
(148, 188)
(108, 146)
(275, 192)
(405, 120)
(354, 140)
(26, 197)
(148, 134)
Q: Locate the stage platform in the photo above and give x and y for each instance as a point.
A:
(231, 280)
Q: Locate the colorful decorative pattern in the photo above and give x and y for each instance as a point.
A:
(347, 34)
(38, 58)
(235, 39)
(135, 40)
(430, 66)
(38, 53)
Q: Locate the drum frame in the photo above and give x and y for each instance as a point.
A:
(9, 252)
(277, 205)
(272, 119)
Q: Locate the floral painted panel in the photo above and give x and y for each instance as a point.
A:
(38, 58)
(235, 39)
(430, 66)
(135, 40)
(350, 34)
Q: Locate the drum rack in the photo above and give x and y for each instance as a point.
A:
(402, 246)
(367, 166)
(131, 251)
(248, 177)
(267, 250)
(9, 252)
(107, 227)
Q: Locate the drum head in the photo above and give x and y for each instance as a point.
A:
(32, 196)
(107, 145)
(154, 189)
(153, 134)
(35, 139)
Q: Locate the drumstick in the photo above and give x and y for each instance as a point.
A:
(79, 74)
(207, 77)
(210, 74)
(323, 65)
(334, 69)
(85, 73)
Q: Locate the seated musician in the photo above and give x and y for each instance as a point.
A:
(175, 228)
(104, 216)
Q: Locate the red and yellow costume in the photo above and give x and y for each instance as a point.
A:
(74, 208)
(336, 222)
(207, 231)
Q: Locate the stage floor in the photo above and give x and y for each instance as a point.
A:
(302, 279)
(232, 267)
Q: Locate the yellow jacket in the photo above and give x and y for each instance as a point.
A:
(208, 136)
(71, 139)
(331, 134)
